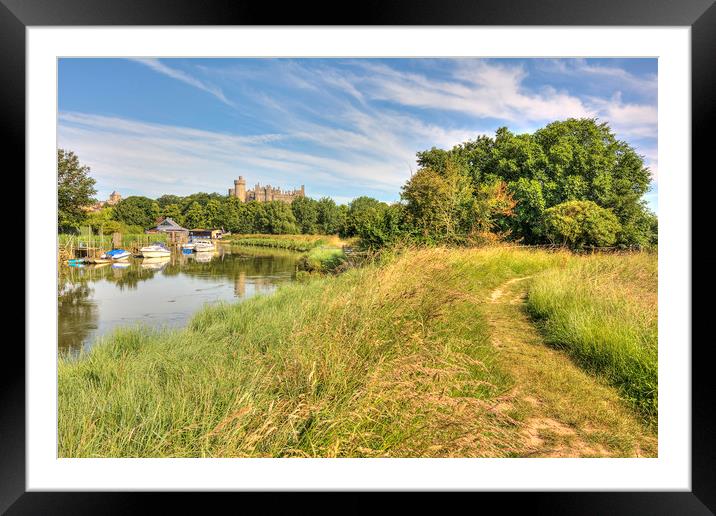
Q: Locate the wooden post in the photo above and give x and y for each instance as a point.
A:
(116, 240)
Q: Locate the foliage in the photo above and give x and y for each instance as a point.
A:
(137, 211)
(576, 159)
(581, 223)
(305, 211)
(364, 213)
(75, 190)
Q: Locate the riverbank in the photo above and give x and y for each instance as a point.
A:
(414, 357)
(300, 243)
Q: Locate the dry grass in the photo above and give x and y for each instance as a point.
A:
(395, 360)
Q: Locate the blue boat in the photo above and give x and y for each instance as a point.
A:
(117, 254)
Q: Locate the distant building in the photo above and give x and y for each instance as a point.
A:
(113, 199)
(265, 193)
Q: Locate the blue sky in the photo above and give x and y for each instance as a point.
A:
(341, 127)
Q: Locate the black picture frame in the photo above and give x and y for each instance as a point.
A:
(700, 15)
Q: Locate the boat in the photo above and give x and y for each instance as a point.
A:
(188, 246)
(156, 250)
(116, 254)
(202, 246)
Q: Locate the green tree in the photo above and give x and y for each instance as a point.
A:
(137, 211)
(328, 216)
(213, 213)
(305, 210)
(195, 217)
(363, 213)
(575, 159)
(581, 223)
(168, 199)
(75, 190)
(278, 219)
(172, 211)
(103, 221)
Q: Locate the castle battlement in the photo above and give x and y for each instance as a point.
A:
(263, 193)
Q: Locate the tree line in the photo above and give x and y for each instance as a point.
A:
(572, 182)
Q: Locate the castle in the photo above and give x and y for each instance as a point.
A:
(263, 193)
(114, 198)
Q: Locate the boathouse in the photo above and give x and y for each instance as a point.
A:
(206, 233)
(169, 226)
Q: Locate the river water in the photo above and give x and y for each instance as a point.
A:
(95, 299)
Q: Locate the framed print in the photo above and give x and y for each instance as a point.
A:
(426, 248)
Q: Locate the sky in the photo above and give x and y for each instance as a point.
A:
(341, 127)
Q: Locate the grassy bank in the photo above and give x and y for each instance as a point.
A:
(322, 260)
(386, 360)
(602, 310)
(105, 241)
(301, 243)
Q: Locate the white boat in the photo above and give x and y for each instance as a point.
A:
(156, 250)
(189, 245)
(202, 246)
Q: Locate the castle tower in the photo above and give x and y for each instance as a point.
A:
(240, 188)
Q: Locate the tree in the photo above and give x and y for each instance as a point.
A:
(528, 218)
(75, 190)
(581, 223)
(385, 231)
(137, 211)
(172, 211)
(446, 207)
(363, 213)
(212, 213)
(103, 221)
(279, 218)
(195, 217)
(575, 159)
(305, 210)
(329, 216)
(168, 199)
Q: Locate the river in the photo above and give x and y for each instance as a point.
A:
(95, 299)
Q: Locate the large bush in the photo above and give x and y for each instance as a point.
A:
(581, 223)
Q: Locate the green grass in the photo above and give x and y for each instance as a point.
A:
(105, 241)
(292, 242)
(322, 260)
(392, 359)
(602, 310)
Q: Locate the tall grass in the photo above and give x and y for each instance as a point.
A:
(602, 310)
(292, 242)
(322, 259)
(390, 360)
(105, 241)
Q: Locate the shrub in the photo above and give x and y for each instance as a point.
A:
(581, 223)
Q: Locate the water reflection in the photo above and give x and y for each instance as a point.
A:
(94, 299)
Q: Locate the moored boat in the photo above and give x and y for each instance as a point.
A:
(202, 246)
(156, 250)
(116, 255)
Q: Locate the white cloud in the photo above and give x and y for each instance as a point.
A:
(158, 66)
